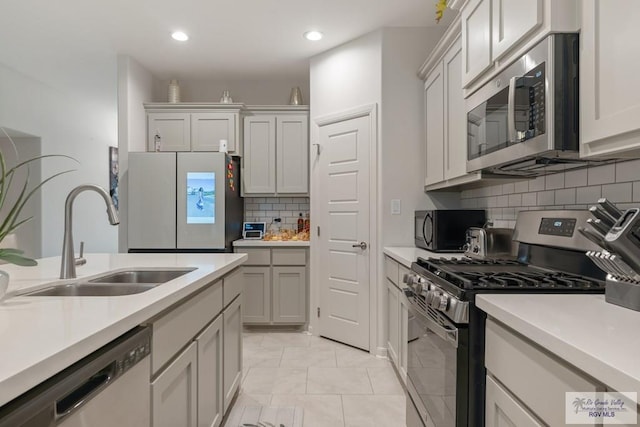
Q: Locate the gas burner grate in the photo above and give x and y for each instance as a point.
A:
(532, 280)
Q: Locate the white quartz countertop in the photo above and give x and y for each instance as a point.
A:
(599, 338)
(405, 255)
(41, 336)
(270, 243)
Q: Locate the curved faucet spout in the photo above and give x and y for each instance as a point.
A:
(68, 264)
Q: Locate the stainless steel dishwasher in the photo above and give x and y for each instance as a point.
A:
(110, 387)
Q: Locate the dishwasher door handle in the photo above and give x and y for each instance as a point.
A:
(78, 396)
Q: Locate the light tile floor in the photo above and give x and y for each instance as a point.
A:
(336, 385)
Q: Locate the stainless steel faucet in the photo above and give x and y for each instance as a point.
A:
(68, 264)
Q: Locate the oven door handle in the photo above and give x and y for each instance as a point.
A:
(511, 110)
(448, 334)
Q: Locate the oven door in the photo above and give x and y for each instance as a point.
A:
(432, 368)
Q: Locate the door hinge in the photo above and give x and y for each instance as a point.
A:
(318, 230)
(318, 311)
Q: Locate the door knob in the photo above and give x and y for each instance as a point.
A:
(361, 245)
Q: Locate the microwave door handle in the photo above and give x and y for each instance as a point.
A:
(511, 110)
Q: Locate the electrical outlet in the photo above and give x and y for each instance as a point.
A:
(395, 207)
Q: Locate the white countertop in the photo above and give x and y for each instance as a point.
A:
(269, 243)
(41, 336)
(405, 255)
(599, 338)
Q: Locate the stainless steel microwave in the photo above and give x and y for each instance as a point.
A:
(525, 121)
(445, 230)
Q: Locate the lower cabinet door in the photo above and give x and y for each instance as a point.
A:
(393, 322)
(174, 392)
(403, 345)
(210, 399)
(256, 295)
(289, 295)
(504, 410)
(232, 344)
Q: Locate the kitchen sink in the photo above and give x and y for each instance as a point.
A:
(141, 276)
(127, 282)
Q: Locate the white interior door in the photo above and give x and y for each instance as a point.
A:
(344, 181)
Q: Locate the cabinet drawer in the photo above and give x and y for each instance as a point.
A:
(233, 283)
(256, 256)
(176, 328)
(391, 270)
(289, 256)
(535, 377)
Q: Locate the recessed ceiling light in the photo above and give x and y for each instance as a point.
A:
(313, 35)
(180, 36)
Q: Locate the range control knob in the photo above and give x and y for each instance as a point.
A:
(432, 296)
(443, 302)
(476, 249)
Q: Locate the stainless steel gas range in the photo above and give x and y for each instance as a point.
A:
(446, 373)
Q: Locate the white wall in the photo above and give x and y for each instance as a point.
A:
(402, 145)
(28, 236)
(249, 92)
(73, 115)
(135, 86)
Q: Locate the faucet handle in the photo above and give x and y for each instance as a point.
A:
(81, 260)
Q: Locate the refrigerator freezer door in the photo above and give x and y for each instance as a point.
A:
(152, 200)
(201, 180)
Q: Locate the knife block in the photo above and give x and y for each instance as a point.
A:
(625, 293)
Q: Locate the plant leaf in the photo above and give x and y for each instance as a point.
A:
(17, 259)
(11, 251)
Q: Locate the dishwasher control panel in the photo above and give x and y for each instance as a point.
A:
(133, 356)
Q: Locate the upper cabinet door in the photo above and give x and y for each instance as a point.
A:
(292, 150)
(609, 106)
(512, 21)
(259, 173)
(455, 120)
(476, 39)
(207, 129)
(434, 121)
(173, 130)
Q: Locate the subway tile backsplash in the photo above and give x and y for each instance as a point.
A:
(267, 208)
(618, 182)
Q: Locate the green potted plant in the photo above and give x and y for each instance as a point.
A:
(11, 210)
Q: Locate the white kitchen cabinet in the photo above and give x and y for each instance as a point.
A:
(393, 321)
(192, 126)
(455, 117)
(609, 110)
(502, 409)
(497, 32)
(171, 130)
(434, 122)
(511, 22)
(289, 295)
(532, 375)
(207, 129)
(196, 356)
(397, 317)
(276, 152)
(476, 39)
(174, 392)
(445, 115)
(275, 285)
(232, 344)
(257, 294)
(259, 169)
(210, 393)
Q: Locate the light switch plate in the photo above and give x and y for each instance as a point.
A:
(395, 207)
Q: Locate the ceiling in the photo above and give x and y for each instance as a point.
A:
(229, 39)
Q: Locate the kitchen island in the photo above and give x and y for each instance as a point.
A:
(41, 336)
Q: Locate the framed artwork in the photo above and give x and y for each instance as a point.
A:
(113, 175)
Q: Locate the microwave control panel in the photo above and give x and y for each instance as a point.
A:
(530, 103)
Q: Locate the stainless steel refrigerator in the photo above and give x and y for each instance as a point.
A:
(181, 202)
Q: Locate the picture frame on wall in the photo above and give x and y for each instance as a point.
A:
(113, 175)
